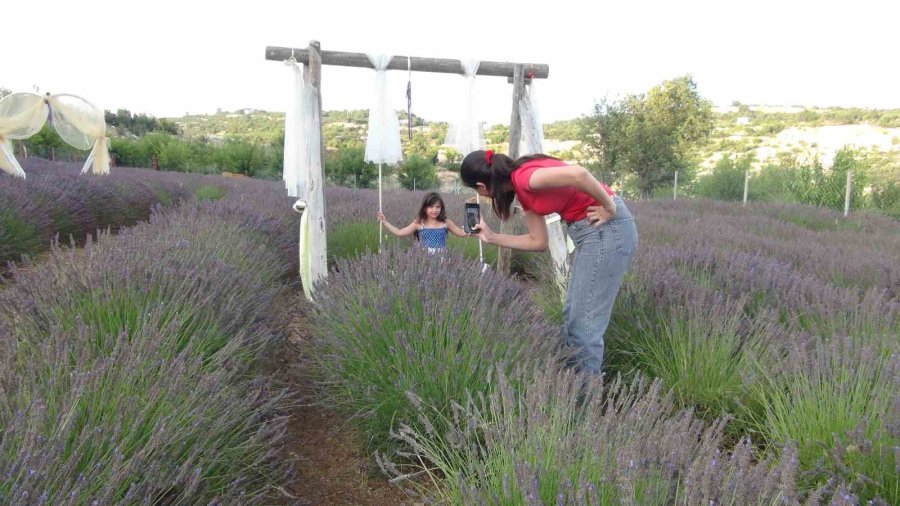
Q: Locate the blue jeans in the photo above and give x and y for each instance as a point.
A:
(602, 256)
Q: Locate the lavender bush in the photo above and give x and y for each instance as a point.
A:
(130, 371)
(405, 320)
(838, 401)
(142, 424)
(567, 439)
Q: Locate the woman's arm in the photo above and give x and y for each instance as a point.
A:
(455, 229)
(399, 232)
(575, 177)
(535, 240)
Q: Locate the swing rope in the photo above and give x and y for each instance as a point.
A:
(380, 209)
(409, 97)
(480, 244)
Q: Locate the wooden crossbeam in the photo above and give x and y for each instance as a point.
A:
(416, 63)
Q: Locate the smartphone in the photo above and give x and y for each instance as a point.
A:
(473, 217)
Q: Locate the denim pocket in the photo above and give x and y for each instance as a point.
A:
(582, 232)
(625, 234)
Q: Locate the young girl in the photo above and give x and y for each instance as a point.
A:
(600, 225)
(430, 227)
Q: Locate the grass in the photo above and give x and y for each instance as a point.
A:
(209, 192)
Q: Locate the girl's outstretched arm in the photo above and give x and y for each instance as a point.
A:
(455, 229)
(399, 232)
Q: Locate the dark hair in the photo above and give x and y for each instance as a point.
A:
(475, 169)
(431, 199)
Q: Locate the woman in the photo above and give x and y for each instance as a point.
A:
(599, 223)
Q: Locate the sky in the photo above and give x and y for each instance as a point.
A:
(170, 58)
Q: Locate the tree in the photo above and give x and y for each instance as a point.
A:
(452, 159)
(4, 91)
(726, 182)
(817, 186)
(175, 155)
(650, 136)
(243, 157)
(497, 134)
(48, 144)
(417, 173)
(420, 146)
(886, 198)
(348, 167)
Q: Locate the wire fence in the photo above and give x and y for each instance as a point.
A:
(839, 193)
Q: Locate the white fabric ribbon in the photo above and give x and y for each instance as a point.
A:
(466, 134)
(78, 122)
(383, 139)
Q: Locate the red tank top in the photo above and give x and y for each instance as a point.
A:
(570, 203)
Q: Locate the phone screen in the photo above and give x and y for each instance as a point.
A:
(473, 217)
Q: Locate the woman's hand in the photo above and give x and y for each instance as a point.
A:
(381, 217)
(484, 232)
(598, 215)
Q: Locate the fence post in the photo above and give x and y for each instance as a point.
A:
(746, 185)
(847, 194)
(675, 187)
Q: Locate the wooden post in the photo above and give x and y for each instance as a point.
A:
(559, 252)
(312, 76)
(515, 121)
(847, 194)
(675, 187)
(315, 72)
(746, 185)
(504, 255)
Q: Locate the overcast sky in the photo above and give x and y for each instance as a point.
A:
(168, 58)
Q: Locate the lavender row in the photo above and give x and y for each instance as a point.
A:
(549, 436)
(406, 321)
(861, 252)
(737, 323)
(130, 370)
(55, 200)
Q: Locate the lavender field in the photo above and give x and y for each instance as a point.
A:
(753, 357)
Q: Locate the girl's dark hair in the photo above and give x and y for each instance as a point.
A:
(431, 199)
(475, 169)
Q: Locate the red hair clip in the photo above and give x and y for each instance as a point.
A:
(489, 157)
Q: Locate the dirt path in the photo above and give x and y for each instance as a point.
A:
(329, 466)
